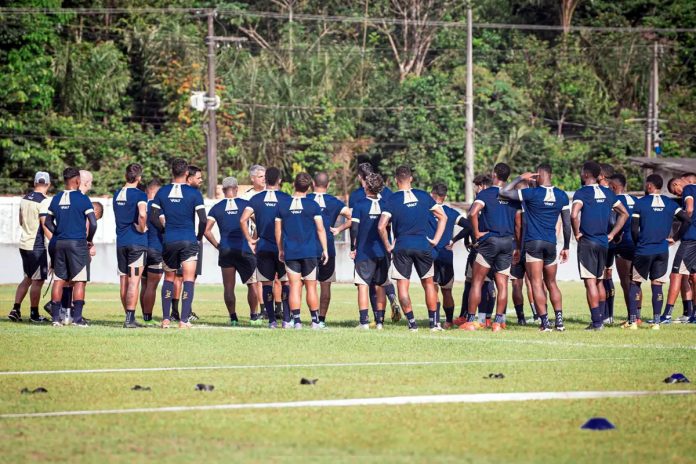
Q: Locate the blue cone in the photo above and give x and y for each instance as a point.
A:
(598, 423)
(677, 378)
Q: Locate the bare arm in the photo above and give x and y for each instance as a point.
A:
(321, 234)
(279, 239)
(635, 229)
(689, 203)
(383, 233)
(141, 226)
(209, 233)
(441, 217)
(509, 192)
(474, 218)
(47, 233)
(518, 229)
(621, 218)
(575, 219)
(346, 213)
(244, 225)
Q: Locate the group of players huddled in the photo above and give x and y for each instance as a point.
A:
(280, 244)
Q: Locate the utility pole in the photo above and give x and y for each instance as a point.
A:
(469, 171)
(211, 151)
(653, 98)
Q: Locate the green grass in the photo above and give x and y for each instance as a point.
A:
(658, 428)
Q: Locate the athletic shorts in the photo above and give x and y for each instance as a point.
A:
(35, 264)
(592, 259)
(405, 259)
(625, 252)
(130, 256)
(268, 266)
(306, 267)
(495, 253)
(469, 267)
(611, 255)
(444, 274)
(651, 267)
(373, 271)
(175, 254)
(685, 258)
(71, 260)
(244, 263)
(153, 261)
(199, 262)
(540, 250)
(517, 271)
(327, 272)
(51, 253)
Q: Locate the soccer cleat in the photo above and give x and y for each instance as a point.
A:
(396, 313)
(279, 314)
(234, 323)
(665, 319)
(654, 326)
(380, 327)
(287, 325)
(448, 325)
(165, 323)
(544, 328)
(15, 316)
(489, 323)
(255, 322)
(459, 321)
(497, 327)
(56, 324)
(521, 321)
(692, 320)
(38, 319)
(559, 323)
(608, 321)
(469, 326)
(184, 325)
(131, 325)
(150, 323)
(592, 327)
(437, 328)
(298, 326)
(680, 320)
(273, 325)
(363, 327)
(322, 325)
(263, 315)
(627, 325)
(193, 317)
(316, 326)
(81, 323)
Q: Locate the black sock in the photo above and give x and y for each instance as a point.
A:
(186, 300)
(254, 317)
(544, 320)
(364, 318)
(322, 318)
(559, 316)
(17, 307)
(284, 295)
(167, 301)
(431, 318)
(667, 314)
(411, 320)
(175, 304)
(519, 310)
(78, 305)
(602, 310)
(314, 314)
(596, 314)
(233, 317)
(66, 297)
(34, 312)
(610, 291)
(278, 307)
(130, 316)
(464, 310)
(380, 317)
(689, 308)
(147, 317)
(656, 301)
(449, 314)
(55, 311)
(296, 316)
(535, 315)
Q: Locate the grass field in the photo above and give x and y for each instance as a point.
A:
(349, 364)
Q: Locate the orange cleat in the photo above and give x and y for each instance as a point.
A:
(488, 323)
(470, 326)
(447, 325)
(503, 325)
(497, 327)
(460, 320)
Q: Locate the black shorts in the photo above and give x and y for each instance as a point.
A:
(685, 258)
(327, 272)
(444, 274)
(611, 255)
(592, 259)
(625, 252)
(176, 253)
(153, 261)
(495, 253)
(71, 260)
(268, 266)
(651, 267)
(306, 267)
(130, 256)
(371, 271)
(540, 250)
(405, 259)
(244, 263)
(517, 271)
(199, 262)
(35, 264)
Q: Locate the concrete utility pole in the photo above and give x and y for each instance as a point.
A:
(211, 151)
(469, 171)
(653, 110)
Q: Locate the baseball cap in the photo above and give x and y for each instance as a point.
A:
(228, 182)
(42, 177)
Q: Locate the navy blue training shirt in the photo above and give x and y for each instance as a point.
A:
(265, 207)
(440, 252)
(690, 192)
(69, 209)
(410, 212)
(178, 204)
(331, 208)
(359, 194)
(126, 202)
(542, 208)
(155, 237)
(368, 244)
(629, 202)
(597, 204)
(300, 239)
(656, 214)
(499, 214)
(226, 214)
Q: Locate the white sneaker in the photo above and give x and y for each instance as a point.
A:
(437, 328)
(413, 329)
(681, 320)
(316, 326)
(380, 327)
(363, 327)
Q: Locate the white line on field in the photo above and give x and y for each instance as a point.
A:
(316, 365)
(388, 401)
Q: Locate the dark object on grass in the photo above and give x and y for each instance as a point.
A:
(598, 423)
(495, 376)
(204, 387)
(677, 378)
(26, 391)
(140, 388)
(304, 381)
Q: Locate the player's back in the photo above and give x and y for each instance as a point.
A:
(499, 214)
(410, 213)
(226, 213)
(629, 202)
(368, 242)
(690, 192)
(125, 206)
(542, 207)
(655, 213)
(31, 207)
(597, 206)
(265, 207)
(359, 194)
(69, 209)
(178, 203)
(331, 208)
(298, 216)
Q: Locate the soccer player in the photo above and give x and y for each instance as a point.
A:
(32, 248)
(331, 209)
(364, 169)
(263, 207)
(153, 273)
(591, 212)
(368, 252)
(443, 257)
(676, 186)
(605, 173)
(650, 228)
(517, 270)
(408, 210)
(234, 252)
(175, 206)
(66, 221)
(543, 205)
(130, 212)
(299, 230)
(494, 246)
(624, 250)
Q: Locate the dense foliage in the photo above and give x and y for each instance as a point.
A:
(99, 90)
